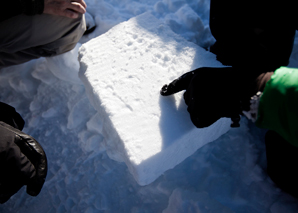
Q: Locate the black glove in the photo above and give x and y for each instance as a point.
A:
(211, 93)
(22, 159)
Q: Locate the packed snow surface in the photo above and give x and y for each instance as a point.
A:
(226, 175)
(123, 71)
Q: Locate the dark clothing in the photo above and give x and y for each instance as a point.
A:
(22, 159)
(23, 37)
(282, 158)
(11, 8)
(253, 34)
(258, 36)
(10, 116)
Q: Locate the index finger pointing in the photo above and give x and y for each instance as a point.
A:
(177, 85)
(82, 2)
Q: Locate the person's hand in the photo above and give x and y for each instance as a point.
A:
(67, 8)
(211, 93)
(22, 162)
(22, 159)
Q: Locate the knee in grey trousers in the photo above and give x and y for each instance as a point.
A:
(23, 38)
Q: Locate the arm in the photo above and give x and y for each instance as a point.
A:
(212, 93)
(278, 107)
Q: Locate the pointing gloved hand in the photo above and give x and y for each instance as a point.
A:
(22, 159)
(211, 93)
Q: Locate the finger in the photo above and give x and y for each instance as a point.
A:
(34, 152)
(199, 117)
(198, 111)
(177, 85)
(82, 2)
(77, 7)
(34, 186)
(203, 122)
(69, 14)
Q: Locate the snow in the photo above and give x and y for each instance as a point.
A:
(228, 174)
(187, 201)
(123, 71)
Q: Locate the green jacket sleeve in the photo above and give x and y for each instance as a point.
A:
(278, 108)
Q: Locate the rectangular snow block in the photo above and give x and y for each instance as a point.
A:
(123, 71)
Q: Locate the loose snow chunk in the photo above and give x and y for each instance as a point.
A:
(123, 72)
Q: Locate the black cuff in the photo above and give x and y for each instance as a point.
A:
(33, 7)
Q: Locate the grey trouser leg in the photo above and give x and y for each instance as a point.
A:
(23, 38)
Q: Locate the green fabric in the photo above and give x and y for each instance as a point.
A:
(278, 109)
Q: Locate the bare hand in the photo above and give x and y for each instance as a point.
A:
(67, 8)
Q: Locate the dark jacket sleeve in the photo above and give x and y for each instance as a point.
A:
(259, 33)
(11, 8)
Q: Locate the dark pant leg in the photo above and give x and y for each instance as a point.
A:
(282, 162)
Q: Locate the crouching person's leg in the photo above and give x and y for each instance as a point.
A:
(24, 38)
(282, 158)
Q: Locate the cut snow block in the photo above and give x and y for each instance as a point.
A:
(123, 71)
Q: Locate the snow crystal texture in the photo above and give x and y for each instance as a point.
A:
(123, 71)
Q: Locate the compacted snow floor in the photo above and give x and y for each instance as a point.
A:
(226, 175)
